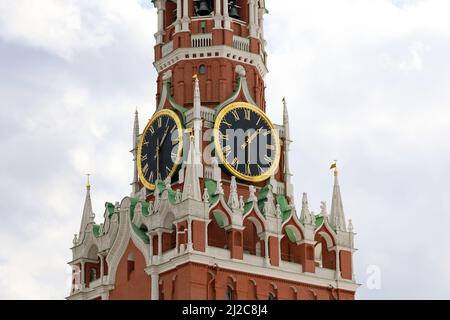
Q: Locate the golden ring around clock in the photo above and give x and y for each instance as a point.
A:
(226, 110)
(177, 121)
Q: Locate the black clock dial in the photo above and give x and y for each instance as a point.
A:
(247, 142)
(160, 148)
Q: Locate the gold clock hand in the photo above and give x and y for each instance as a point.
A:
(164, 137)
(251, 138)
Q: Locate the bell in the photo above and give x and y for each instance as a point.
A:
(203, 8)
(234, 13)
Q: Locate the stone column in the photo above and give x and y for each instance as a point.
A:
(252, 18)
(155, 285)
(218, 15)
(185, 20)
(189, 244)
(159, 245)
(178, 21)
(102, 272)
(338, 264)
(83, 276)
(266, 249)
(226, 16)
(150, 236)
(161, 8)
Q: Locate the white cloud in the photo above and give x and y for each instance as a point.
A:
(366, 81)
(70, 27)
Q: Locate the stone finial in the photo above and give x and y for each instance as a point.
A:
(323, 208)
(205, 196)
(305, 215)
(313, 218)
(75, 239)
(167, 75)
(350, 226)
(279, 214)
(168, 183)
(178, 196)
(252, 195)
(241, 203)
(219, 190)
(233, 201)
(240, 70)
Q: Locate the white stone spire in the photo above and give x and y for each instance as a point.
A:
(198, 124)
(337, 209)
(88, 214)
(191, 188)
(287, 141)
(135, 183)
(305, 215)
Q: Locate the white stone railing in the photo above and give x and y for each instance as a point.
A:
(167, 48)
(241, 43)
(207, 114)
(201, 40)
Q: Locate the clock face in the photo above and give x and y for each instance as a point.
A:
(160, 148)
(246, 142)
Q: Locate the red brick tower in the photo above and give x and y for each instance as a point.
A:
(212, 214)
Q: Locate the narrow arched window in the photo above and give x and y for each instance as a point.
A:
(229, 293)
(93, 274)
(202, 69)
(272, 296)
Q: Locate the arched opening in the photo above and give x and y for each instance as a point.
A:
(252, 295)
(323, 256)
(211, 294)
(92, 267)
(202, 69)
(217, 235)
(169, 238)
(293, 295)
(230, 292)
(93, 274)
(290, 250)
(131, 261)
(170, 13)
(252, 242)
(273, 293)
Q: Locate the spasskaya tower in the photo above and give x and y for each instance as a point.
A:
(212, 212)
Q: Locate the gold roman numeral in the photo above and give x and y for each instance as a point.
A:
(227, 123)
(268, 159)
(145, 169)
(259, 120)
(223, 136)
(248, 114)
(160, 122)
(150, 178)
(152, 130)
(236, 115)
(144, 157)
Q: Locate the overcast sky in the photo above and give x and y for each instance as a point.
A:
(367, 82)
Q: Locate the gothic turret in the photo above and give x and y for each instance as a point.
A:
(88, 214)
(337, 209)
(135, 184)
